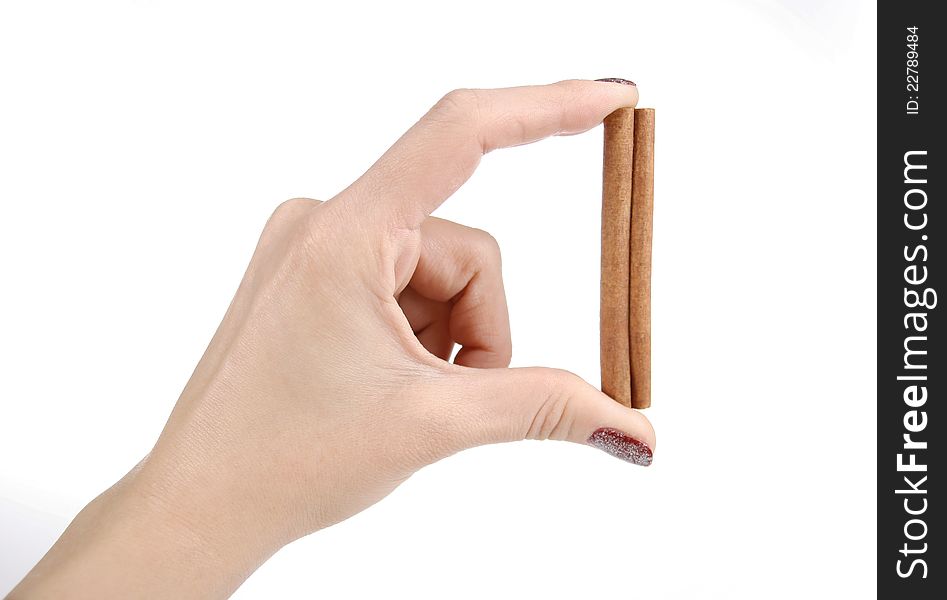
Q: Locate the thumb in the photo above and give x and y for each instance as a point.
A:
(537, 403)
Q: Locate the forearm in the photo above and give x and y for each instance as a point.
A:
(130, 542)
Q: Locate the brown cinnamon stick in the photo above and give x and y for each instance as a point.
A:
(614, 312)
(639, 280)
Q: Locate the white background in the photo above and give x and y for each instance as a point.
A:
(143, 145)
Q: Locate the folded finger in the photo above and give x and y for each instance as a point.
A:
(461, 266)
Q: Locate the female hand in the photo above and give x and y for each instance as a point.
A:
(328, 383)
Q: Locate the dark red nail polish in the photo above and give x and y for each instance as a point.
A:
(620, 445)
(617, 80)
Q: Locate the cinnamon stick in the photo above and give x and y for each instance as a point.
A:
(642, 211)
(614, 327)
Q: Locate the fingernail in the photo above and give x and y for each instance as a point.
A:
(620, 445)
(617, 80)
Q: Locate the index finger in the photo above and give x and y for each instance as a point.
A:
(442, 150)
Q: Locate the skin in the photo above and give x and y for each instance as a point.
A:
(327, 383)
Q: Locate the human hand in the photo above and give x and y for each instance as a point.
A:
(328, 383)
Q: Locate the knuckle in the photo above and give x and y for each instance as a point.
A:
(460, 99)
(283, 220)
(574, 86)
(554, 417)
(292, 208)
(573, 90)
(297, 231)
(487, 250)
(457, 106)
